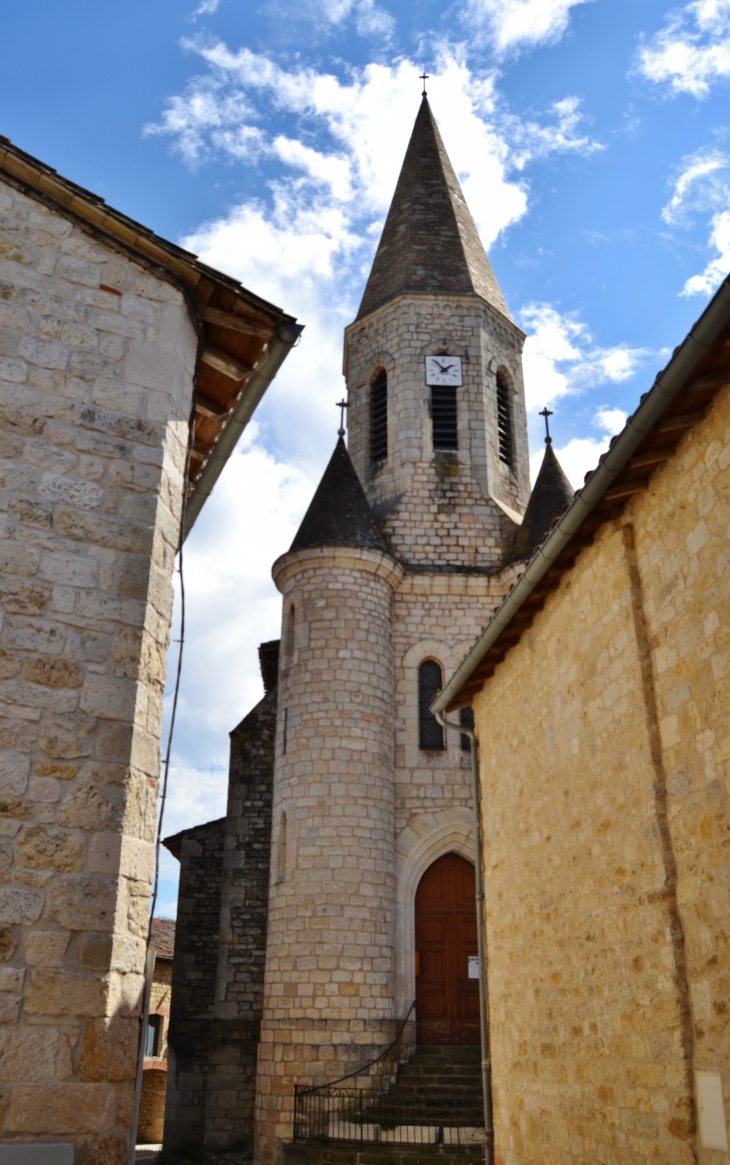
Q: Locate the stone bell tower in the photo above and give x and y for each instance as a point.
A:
(398, 563)
(437, 428)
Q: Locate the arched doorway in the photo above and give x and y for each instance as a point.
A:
(447, 984)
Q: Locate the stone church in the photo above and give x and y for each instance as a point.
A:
(339, 887)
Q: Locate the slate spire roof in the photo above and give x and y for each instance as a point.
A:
(429, 244)
(551, 494)
(339, 513)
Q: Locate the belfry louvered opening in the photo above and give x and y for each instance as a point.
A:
(443, 416)
(504, 422)
(430, 682)
(379, 417)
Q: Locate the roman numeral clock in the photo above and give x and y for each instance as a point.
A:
(444, 370)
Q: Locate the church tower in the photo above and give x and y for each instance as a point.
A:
(434, 374)
(403, 554)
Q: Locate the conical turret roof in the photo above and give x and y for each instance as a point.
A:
(429, 244)
(551, 493)
(339, 513)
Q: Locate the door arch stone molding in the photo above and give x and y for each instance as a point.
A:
(426, 837)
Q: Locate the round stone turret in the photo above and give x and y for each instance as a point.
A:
(328, 1004)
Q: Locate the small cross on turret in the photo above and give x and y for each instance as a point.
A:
(424, 77)
(341, 405)
(546, 412)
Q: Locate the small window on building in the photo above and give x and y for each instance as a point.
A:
(281, 849)
(287, 638)
(154, 1031)
(504, 422)
(466, 719)
(379, 418)
(443, 418)
(430, 732)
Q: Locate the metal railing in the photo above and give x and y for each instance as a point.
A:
(374, 1114)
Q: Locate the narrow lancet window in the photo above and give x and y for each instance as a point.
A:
(504, 422)
(430, 732)
(466, 719)
(281, 849)
(443, 417)
(379, 418)
(287, 639)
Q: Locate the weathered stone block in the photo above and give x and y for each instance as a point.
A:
(109, 1050)
(45, 948)
(64, 993)
(49, 847)
(80, 902)
(61, 1108)
(53, 673)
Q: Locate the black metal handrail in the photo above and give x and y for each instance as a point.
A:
(305, 1089)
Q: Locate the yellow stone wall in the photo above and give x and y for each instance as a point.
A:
(603, 750)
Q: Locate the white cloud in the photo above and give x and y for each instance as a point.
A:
(610, 420)
(561, 357)
(693, 51)
(702, 187)
(517, 23)
(577, 457)
(207, 8)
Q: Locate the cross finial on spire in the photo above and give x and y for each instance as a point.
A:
(341, 405)
(424, 77)
(546, 412)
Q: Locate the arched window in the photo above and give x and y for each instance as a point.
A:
(430, 732)
(379, 417)
(504, 422)
(287, 638)
(281, 849)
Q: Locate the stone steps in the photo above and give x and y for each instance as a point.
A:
(435, 1103)
(312, 1153)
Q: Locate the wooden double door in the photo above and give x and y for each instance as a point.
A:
(447, 984)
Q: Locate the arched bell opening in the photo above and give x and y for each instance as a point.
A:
(447, 963)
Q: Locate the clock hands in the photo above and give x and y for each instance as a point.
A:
(443, 368)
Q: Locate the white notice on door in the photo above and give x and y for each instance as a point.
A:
(473, 966)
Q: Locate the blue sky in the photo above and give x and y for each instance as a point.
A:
(592, 141)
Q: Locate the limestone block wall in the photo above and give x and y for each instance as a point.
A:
(192, 1008)
(437, 507)
(97, 356)
(604, 746)
(238, 1007)
(436, 616)
(328, 989)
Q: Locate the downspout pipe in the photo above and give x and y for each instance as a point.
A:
(481, 941)
(668, 383)
(280, 345)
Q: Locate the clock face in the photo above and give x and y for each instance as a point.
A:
(443, 370)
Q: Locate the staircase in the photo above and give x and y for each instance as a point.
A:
(435, 1102)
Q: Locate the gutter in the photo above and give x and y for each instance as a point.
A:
(667, 385)
(281, 343)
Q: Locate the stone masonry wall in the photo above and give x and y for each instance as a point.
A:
(192, 1009)
(97, 356)
(605, 795)
(436, 507)
(328, 990)
(243, 921)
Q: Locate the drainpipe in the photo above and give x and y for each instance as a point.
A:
(481, 940)
(144, 1019)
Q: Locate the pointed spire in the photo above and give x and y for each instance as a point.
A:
(551, 494)
(339, 513)
(429, 243)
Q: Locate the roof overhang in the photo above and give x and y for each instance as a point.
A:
(679, 399)
(243, 339)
